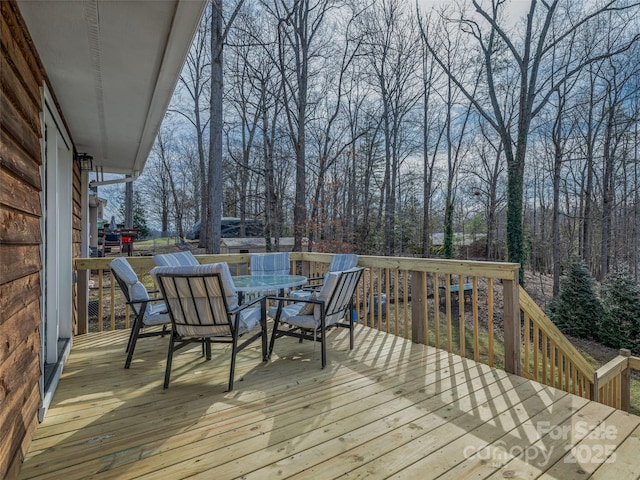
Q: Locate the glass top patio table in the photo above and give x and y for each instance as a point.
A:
(261, 283)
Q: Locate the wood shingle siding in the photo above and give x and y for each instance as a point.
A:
(20, 238)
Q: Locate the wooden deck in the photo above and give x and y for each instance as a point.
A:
(387, 409)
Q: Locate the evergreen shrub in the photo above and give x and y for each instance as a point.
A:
(577, 310)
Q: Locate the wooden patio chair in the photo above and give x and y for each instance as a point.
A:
(310, 318)
(203, 307)
(149, 312)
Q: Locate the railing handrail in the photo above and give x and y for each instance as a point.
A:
(497, 270)
(611, 369)
(528, 305)
(95, 263)
(612, 381)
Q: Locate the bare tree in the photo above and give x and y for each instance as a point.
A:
(219, 33)
(162, 148)
(300, 28)
(536, 85)
(331, 139)
(617, 124)
(486, 180)
(154, 183)
(195, 81)
(433, 125)
(391, 45)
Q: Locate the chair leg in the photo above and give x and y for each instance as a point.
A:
(135, 330)
(232, 370)
(273, 336)
(207, 342)
(350, 331)
(131, 335)
(263, 326)
(323, 343)
(265, 355)
(167, 372)
(276, 321)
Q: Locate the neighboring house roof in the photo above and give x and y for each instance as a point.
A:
(113, 66)
(459, 239)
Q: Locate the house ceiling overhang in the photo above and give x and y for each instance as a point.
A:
(113, 66)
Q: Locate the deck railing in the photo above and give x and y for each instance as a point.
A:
(440, 302)
(474, 309)
(612, 381)
(548, 357)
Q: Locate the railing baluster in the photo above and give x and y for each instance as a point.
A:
(425, 308)
(387, 290)
(536, 349)
(396, 304)
(476, 325)
(405, 284)
(461, 315)
(544, 359)
(112, 292)
(552, 367)
(490, 319)
(100, 299)
(436, 307)
(447, 296)
(527, 342)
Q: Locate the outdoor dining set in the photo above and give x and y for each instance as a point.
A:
(204, 303)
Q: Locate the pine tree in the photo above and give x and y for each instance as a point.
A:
(620, 327)
(577, 310)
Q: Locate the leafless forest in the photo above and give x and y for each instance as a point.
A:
(374, 125)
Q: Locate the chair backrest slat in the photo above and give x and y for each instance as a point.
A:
(270, 264)
(176, 259)
(343, 261)
(341, 292)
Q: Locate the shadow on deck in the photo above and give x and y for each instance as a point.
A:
(389, 408)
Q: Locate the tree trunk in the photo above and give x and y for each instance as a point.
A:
(214, 213)
(128, 204)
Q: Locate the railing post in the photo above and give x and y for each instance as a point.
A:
(418, 303)
(82, 301)
(305, 268)
(625, 382)
(512, 339)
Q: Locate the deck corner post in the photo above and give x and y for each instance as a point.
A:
(82, 301)
(417, 308)
(625, 382)
(595, 394)
(512, 340)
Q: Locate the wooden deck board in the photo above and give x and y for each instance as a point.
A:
(389, 408)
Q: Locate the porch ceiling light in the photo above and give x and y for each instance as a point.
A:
(86, 162)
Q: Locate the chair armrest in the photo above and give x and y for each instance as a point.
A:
(244, 306)
(296, 300)
(151, 300)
